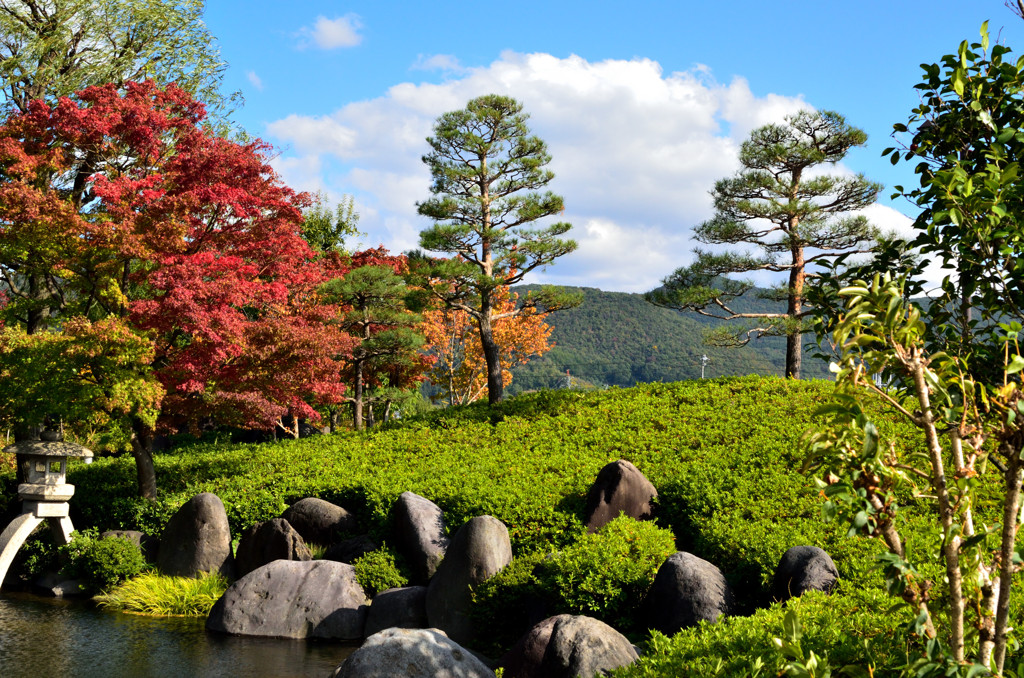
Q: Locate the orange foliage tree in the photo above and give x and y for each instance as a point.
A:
(460, 369)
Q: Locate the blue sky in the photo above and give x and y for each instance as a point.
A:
(643, 104)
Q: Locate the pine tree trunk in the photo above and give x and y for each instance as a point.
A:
(357, 398)
(495, 382)
(794, 340)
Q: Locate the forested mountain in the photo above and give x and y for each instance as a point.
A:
(618, 339)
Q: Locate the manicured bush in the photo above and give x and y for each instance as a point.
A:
(99, 563)
(379, 571)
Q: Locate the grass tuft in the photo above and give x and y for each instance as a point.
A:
(155, 594)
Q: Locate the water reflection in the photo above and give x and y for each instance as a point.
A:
(43, 637)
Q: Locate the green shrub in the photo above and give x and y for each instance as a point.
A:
(152, 593)
(606, 574)
(603, 575)
(379, 571)
(101, 563)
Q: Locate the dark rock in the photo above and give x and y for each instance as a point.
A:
(147, 544)
(318, 521)
(404, 608)
(197, 539)
(803, 568)
(619, 488)
(411, 653)
(58, 586)
(293, 599)
(686, 591)
(307, 430)
(266, 542)
(478, 551)
(349, 550)
(567, 646)
(420, 532)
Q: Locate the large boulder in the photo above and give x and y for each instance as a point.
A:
(803, 568)
(567, 646)
(686, 591)
(293, 599)
(197, 539)
(319, 521)
(619, 488)
(420, 532)
(479, 550)
(350, 550)
(411, 653)
(266, 542)
(404, 608)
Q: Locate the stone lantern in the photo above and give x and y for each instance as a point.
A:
(44, 494)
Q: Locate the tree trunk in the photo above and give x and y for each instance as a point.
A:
(142, 450)
(1008, 540)
(794, 339)
(495, 382)
(333, 419)
(357, 398)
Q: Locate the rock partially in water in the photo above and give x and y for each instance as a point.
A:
(197, 539)
(411, 653)
(293, 599)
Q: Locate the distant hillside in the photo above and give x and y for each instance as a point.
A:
(618, 339)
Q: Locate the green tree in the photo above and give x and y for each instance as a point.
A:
(54, 48)
(487, 174)
(797, 218)
(326, 230)
(952, 367)
(385, 355)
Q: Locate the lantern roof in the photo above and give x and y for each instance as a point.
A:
(44, 448)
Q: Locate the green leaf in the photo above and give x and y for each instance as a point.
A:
(1016, 365)
(958, 82)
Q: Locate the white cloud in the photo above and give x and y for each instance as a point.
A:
(254, 80)
(437, 62)
(342, 31)
(635, 152)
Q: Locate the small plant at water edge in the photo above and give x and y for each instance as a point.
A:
(156, 594)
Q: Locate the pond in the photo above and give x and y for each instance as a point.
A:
(44, 637)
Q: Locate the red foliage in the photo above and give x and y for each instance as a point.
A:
(192, 237)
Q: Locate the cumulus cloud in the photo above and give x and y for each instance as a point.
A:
(437, 62)
(342, 31)
(635, 152)
(254, 80)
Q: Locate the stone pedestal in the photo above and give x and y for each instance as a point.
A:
(44, 495)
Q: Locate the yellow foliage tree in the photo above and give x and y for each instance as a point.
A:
(460, 370)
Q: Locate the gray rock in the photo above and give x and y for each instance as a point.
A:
(197, 539)
(686, 591)
(411, 653)
(53, 584)
(567, 646)
(803, 568)
(293, 599)
(319, 521)
(266, 542)
(478, 551)
(619, 487)
(349, 550)
(420, 531)
(147, 544)
(404, 608)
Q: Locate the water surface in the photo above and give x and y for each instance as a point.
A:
(51, 638)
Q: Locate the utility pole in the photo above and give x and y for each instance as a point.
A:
(704, 360)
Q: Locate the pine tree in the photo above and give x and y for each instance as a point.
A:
(487, 172)
(794, 215)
